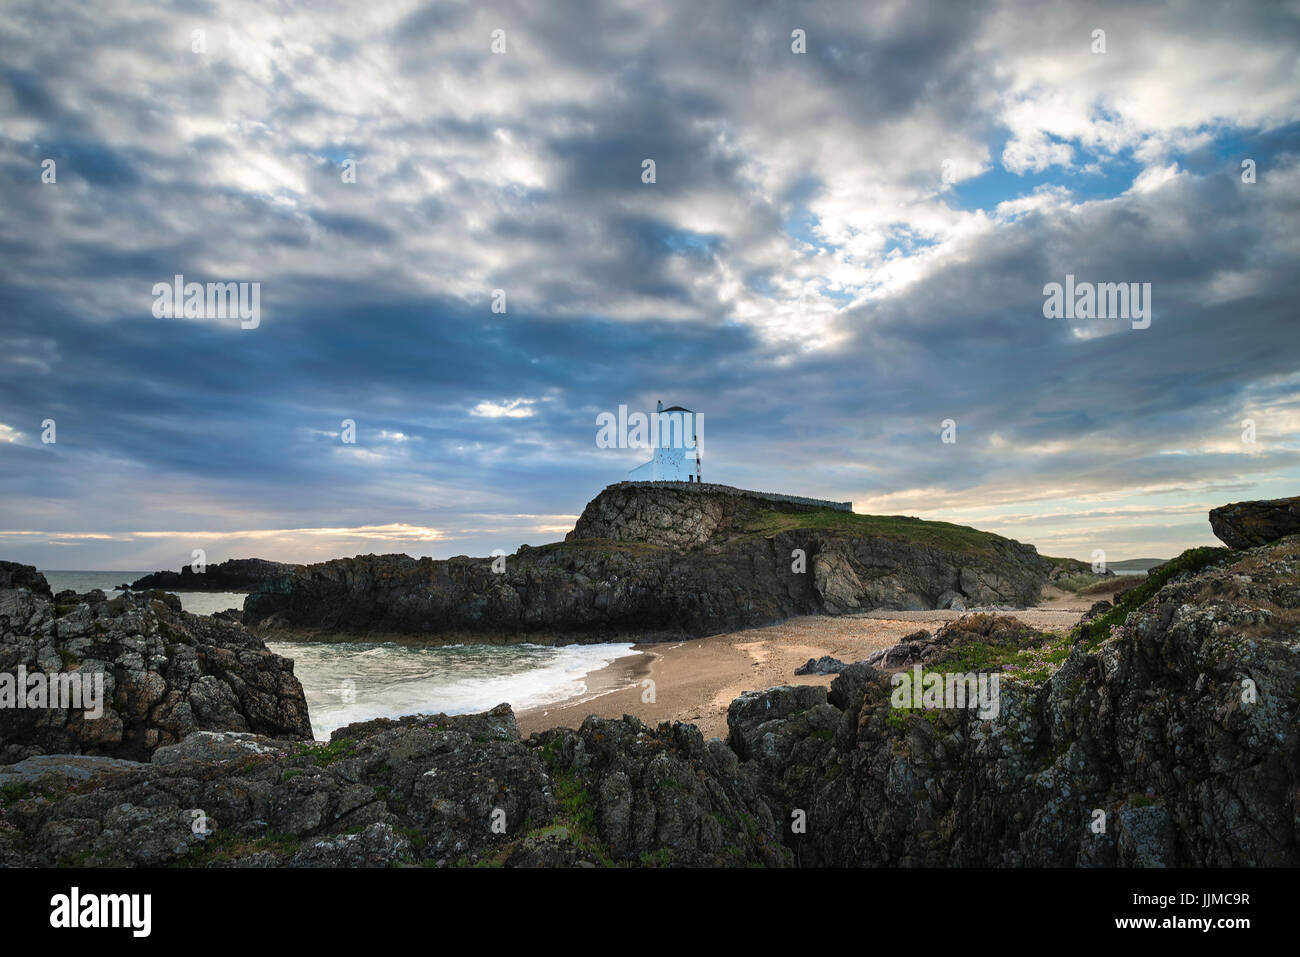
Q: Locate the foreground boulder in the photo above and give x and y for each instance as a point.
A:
(158, 674)
(1248, 524)
(426, 789)
(656, 561)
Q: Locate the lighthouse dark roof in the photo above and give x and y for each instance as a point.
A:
(677, 408)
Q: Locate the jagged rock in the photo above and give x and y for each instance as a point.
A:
(658, 516)
(825, 665)
(1145, 836)
(1155, 726)
(665, 794)
(752, 716)
(782, 736)
(214, 746)
(921, 646)
(60, 770)
(15, 575)
(1248, 524)
(453, 790)
(163, 674)
(498, 724)
(1098, 608)
(377, 846)
(237, 574)
(909, 650)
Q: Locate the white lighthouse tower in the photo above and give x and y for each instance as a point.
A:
(675, 435)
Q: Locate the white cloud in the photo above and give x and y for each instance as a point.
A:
(1154, 177)
(512, 409)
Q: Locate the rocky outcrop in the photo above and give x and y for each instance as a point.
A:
(1163, 731)
(237, 574)
(1097, 609)
(163, 674)
(855, 561)
(1163, 734)
(445, 791)
(14, 575)
(1247, 524)
(661, 515)
(655, 562)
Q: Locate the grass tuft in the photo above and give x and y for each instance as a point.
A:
(1093, 633)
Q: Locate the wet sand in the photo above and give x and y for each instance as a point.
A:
(696, 680)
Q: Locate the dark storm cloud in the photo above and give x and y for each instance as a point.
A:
(778, 176)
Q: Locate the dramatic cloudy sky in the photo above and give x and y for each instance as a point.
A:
(843, 249)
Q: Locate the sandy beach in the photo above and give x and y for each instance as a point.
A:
(696, 680)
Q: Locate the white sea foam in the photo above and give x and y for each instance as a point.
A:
(357, 681)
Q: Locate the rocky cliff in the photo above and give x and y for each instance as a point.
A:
(654, 562)
(164, 673)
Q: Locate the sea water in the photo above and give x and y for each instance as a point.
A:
(196, 602)
(357, 681)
